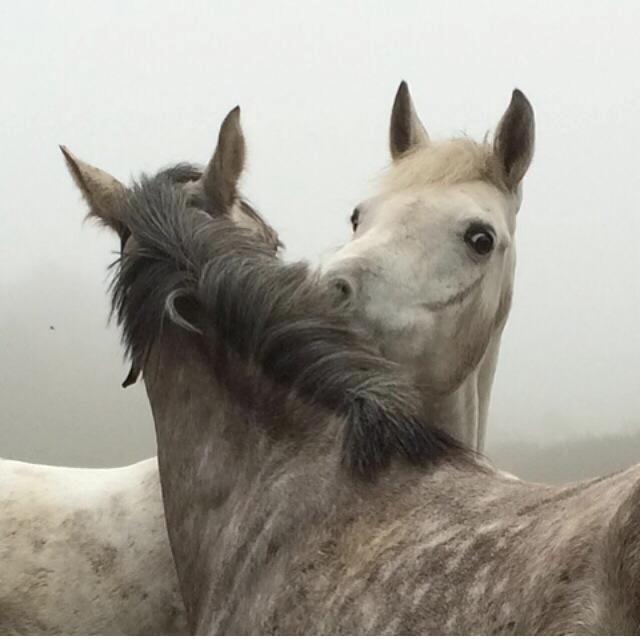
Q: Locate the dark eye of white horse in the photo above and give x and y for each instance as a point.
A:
(355, 218)
(479, 239)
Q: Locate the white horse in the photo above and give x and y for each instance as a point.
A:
(430, 267)
(423, 259)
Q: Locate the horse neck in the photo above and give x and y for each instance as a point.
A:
(485, 376)
(463, 411)
(215, 457)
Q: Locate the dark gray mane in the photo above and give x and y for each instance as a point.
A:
(184, 172)
(205, 274)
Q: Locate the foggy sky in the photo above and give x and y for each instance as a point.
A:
(132, 86)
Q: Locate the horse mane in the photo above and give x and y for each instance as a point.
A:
(185, 172)
(445, 162)
(205, 274)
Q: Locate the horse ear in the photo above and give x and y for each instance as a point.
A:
(220, 178)
(406, 131)
(514, 140)
(102, 192)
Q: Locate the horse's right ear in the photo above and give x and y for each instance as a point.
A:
(102, 192)
(515, 139)
(221, 177)
(406, 131)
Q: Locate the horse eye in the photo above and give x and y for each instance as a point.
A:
(355, 218)
(479, 239)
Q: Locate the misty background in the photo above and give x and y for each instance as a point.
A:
(132, 86)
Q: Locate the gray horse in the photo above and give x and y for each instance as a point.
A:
(81, 558)
(303, 490)
(85, 550)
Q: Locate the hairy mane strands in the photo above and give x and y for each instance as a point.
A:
(274, 315)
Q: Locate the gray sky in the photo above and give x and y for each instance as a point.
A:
(132, 86)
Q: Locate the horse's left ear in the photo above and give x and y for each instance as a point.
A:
(221, 177)
(514, 140)
(102, 192)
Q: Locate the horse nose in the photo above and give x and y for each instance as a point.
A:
(343, 289)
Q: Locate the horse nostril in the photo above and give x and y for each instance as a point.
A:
(343, 289)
